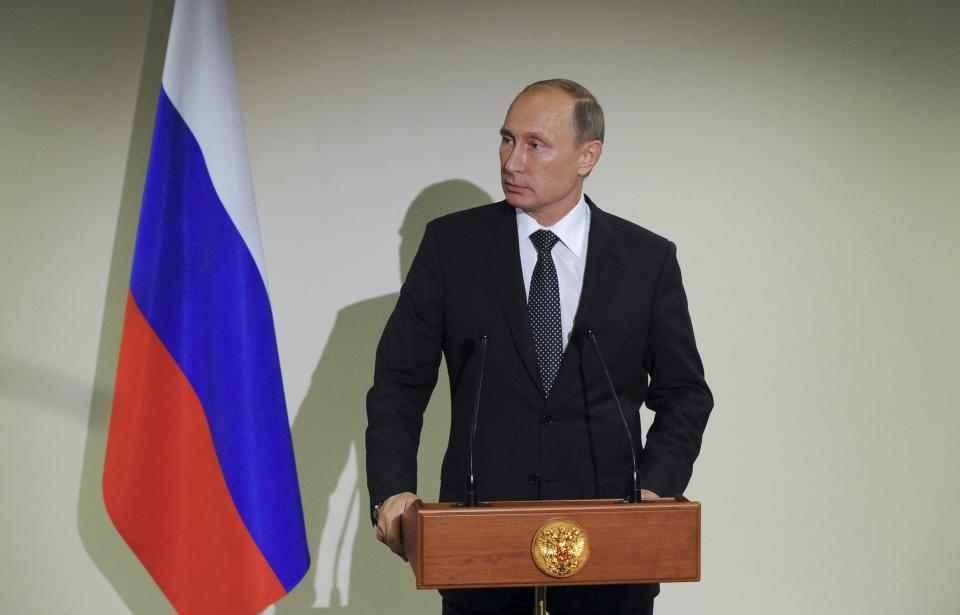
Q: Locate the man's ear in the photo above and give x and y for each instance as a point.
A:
(589, 156)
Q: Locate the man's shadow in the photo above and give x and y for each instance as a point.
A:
(350, 571)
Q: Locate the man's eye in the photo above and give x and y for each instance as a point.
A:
(506, 140)
(536, 145)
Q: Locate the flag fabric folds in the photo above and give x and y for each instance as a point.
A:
(199, 476)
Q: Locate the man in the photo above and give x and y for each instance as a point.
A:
(533, 273)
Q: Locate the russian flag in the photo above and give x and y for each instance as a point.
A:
(199, 477)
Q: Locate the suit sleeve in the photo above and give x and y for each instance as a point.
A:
(678, 393)
(407, 361)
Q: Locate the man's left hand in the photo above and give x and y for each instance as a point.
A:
(388, 524)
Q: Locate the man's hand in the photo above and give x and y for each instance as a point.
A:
(388, 524)
(646, 494)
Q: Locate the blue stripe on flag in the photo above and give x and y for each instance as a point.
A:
(199, 288)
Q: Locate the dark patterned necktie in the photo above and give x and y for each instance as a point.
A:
(544, 308)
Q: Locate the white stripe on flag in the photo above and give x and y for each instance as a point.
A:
(201, 85)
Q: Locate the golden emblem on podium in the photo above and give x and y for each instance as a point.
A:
(560, 548)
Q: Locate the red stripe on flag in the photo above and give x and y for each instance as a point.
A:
(164, 489)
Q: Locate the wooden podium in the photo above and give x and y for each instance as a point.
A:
(655, 541)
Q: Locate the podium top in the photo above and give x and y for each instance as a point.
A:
(540, 504)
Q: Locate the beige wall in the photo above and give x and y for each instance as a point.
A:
(804, 158)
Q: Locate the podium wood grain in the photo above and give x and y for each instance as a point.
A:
(490, 546)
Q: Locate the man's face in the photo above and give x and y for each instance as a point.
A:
(541, 167)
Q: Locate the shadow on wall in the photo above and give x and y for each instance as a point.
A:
(351, 572)
(346, 575)
(100, 539)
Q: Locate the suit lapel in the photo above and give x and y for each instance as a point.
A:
(599, 273)
(503, 258)
(598, 288)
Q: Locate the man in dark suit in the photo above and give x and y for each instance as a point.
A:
(533, 274)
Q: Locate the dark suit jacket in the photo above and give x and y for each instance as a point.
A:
(466, 281)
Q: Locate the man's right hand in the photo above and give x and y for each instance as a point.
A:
(388, 523)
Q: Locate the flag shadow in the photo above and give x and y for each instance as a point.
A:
(100, 539)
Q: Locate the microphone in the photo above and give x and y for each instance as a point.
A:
(634, 496)
(471, 492)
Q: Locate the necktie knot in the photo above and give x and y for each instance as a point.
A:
(544, 241)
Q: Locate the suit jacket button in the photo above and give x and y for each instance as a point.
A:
(533, 479)
(547, 419)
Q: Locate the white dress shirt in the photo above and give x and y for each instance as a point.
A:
(569, 257)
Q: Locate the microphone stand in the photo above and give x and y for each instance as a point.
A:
(634, 496)
(470, 499)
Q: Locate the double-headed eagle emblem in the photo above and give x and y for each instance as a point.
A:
(560, 548)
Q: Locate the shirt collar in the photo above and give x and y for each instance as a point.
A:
(571, 229)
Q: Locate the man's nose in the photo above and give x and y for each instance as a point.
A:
(514, 160)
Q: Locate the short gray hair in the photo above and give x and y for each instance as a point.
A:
(587, 114)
